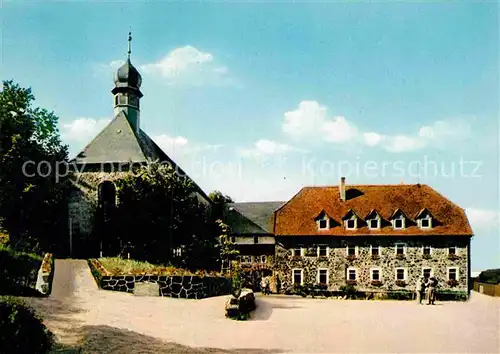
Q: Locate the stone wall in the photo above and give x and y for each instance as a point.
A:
(83, 199)
(186, 287)
(337, 263)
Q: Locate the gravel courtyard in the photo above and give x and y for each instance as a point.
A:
(98, 321)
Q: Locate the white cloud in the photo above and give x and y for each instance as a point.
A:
(483, 219)
(188, 65)
(339, 130)
(310, 120)
(265, 147)
(115, 64)
(82, 129)
(372, 139)
(172, 146)
(402, 143)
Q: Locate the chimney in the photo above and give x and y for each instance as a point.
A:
(342, 189)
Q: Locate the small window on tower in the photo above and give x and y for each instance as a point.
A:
(122, 99)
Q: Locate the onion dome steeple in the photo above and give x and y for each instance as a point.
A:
(127, 90)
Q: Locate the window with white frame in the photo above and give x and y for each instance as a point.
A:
(375, 250)
(453, 273)
(400, 249)
(297, 276)
(425, 223)
(427, 272)
(351, 251)
(400, 274)
(322, 251)
(323, 224)
(263, 259)
(375, 274)
(296, 252)
(399, 223)
(427, 250)
(352, 274)
(452, 250)
(374, 223)
(323, 276)
(351, 223)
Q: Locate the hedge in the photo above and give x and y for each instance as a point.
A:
(21, 329)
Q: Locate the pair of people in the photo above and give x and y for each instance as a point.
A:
(426, 287)
(264, 284)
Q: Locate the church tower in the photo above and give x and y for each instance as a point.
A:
(126, 92)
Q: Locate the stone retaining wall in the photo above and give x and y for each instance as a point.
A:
(185, 286)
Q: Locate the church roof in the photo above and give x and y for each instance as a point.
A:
(116, 143)
(119, 143)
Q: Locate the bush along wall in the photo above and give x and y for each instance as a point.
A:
(178, 286)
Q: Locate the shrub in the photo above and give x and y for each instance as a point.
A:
(19, 271)
(349, 291)
(451, 295)
(400, 295)
(21, 329)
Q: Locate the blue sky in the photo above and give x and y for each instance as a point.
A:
(260, 99)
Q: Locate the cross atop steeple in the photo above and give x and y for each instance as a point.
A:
(129, 43)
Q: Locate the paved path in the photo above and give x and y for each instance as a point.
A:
(112, 322)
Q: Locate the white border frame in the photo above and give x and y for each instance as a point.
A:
(355, 250)
(379, 273)
(396, 273)
(403, 219)
(327, 251)
(301, 275)
(431, 249)
(427, 217)
(396, 248)
(356, 273)
(448, 272)
(355, 223)
(327, 275)
(379, 250)
(426, 267)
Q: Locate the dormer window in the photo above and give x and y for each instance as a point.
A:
(425, 223)
(350, 220)
(398, 219)
(399, 223)
(424, 219)
(323, 221)
(373, 220)
(323, 224)
(351, 224)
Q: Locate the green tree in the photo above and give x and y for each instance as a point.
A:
(33, 191)
(219, 202)
(158, 212)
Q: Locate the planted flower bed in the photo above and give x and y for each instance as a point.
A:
(122, 275)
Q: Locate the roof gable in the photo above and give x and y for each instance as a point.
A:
(296, 217)
(116, 143)
(251, 218)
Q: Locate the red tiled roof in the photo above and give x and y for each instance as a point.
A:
(297, 216)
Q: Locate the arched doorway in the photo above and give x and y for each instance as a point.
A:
(106, 205)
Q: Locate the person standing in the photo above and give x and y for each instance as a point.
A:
(420, 289)
(263, 285)
(431, 290)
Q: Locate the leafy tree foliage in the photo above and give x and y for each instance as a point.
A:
(219, 201)
(32, 201)
(159, 213)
